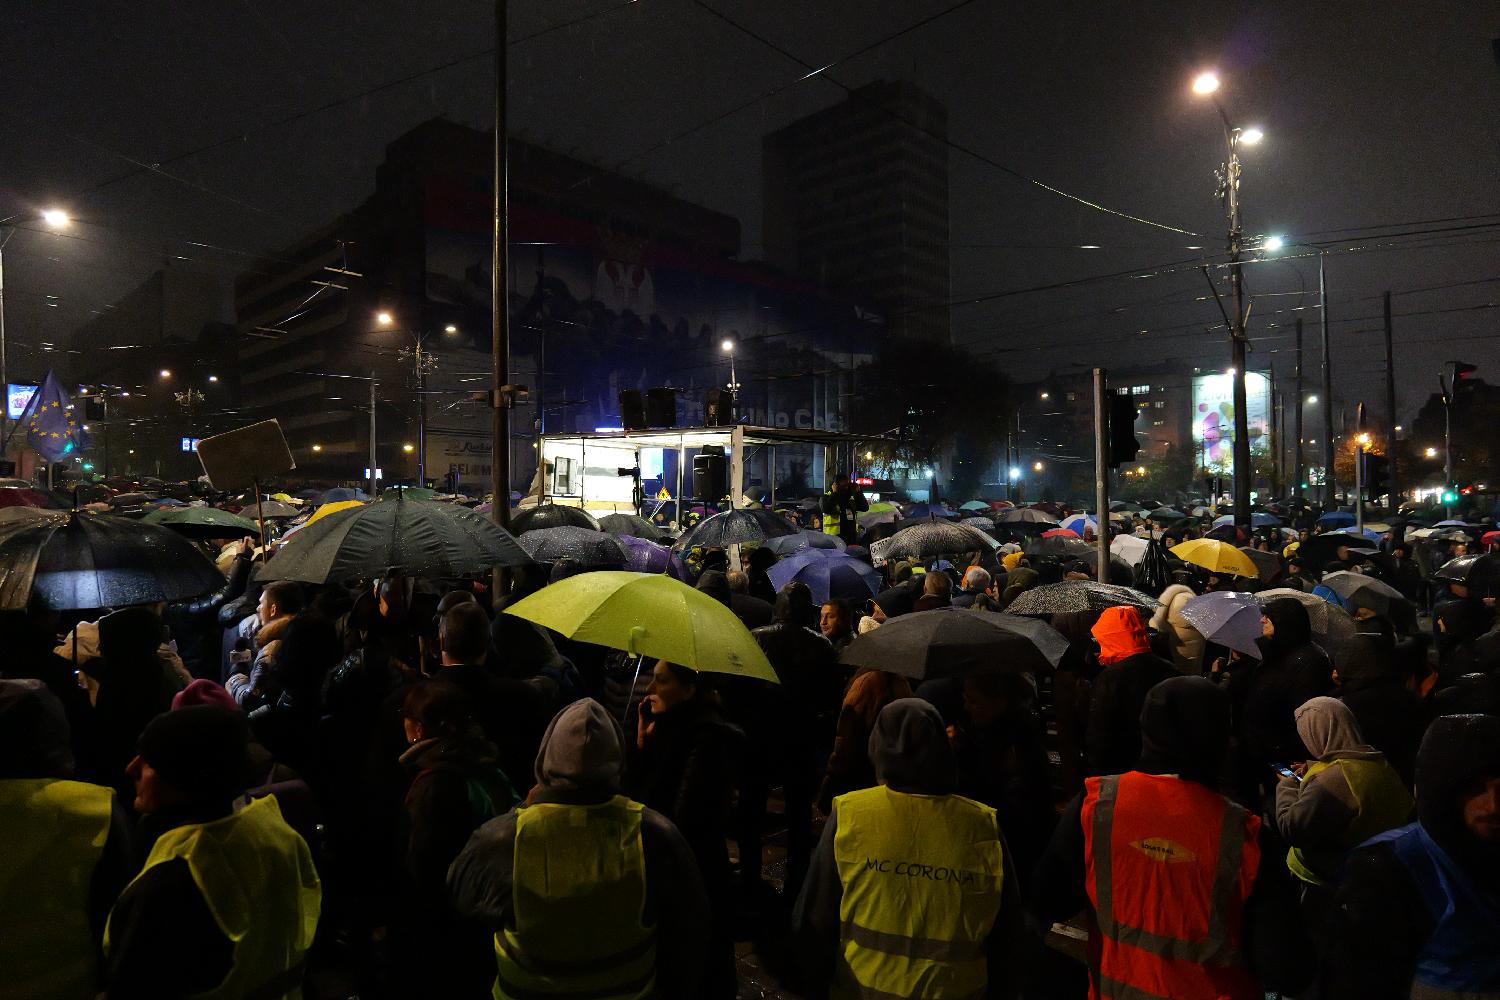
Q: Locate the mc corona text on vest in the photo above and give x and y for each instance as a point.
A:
(913, 869)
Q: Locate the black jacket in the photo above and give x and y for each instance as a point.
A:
(1112, 741)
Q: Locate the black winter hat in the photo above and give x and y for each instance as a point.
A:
(204, 751)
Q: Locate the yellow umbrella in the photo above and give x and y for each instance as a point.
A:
(1216, 557)
(334, 508)
(283, 497)
(648, 614)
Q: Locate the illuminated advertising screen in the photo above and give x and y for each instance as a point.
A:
(16, 398)
(1213, 415)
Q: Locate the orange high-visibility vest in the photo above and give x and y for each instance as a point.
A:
(1170, 865)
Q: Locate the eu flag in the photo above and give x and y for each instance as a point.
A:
(52, 425)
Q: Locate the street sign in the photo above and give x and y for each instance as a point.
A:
(190, 443)
(16, 398)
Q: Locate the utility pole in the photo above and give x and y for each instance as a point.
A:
(1101, 473)
(1390, 407)
(1297, 421)
(1329, 481)
(1361, 442)
(374, 468)
(500, 301)
(1243, 472)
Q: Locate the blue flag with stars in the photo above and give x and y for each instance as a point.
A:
(53, 427)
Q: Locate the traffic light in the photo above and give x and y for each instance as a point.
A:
(1377, 475)
(1123, 445)
(1449, 496)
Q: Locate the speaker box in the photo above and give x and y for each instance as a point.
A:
(717, 408)
(710, 474)
(661, 407)
(632, 410)
(240, 458)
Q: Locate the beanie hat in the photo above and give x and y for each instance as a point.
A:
(204, 692)
(203, 750)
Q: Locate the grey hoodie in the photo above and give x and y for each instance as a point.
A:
(1315, 815)
(581, 762)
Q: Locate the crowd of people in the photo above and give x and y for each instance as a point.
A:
(394, 788)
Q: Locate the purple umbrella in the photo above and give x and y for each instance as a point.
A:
(1227, 618)
(828, 574)
(645, 556)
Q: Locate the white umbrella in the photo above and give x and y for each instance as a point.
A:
(1129, 549)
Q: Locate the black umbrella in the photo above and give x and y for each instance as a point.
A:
(631, 524)
(929, 539)
(1362, 591)
(785, 545)
(1060, 547)
(731, 527)
(942, 643)
(1153, 573)
(1269, 563)
(1049, 641)
(1469, 570)
(1080, 595)
(580, 545)
(1024, 515)
(551, 515)
(98, 561)
(414, 537)
(1163, 515)
(1321, 549)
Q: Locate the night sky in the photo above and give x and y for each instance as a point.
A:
(1381, 116)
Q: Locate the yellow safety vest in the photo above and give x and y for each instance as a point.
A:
(1381, 797)
(52, 836)
(578, 892)
(257, 878)
(921, 878)
(832, 522)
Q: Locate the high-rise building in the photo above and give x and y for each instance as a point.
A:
(856, 198)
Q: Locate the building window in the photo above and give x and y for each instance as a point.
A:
(1137, 390)
(1072, 397)
(1161, 404)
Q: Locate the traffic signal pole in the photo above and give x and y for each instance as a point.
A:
(1101, 474)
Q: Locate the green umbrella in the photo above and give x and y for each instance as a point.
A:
(203, 522)
(648, 614)
(416, 492)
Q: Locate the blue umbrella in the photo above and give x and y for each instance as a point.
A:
(928, 510)
(1259, 519)
(1077, 522)
(828, 574)
(785, 545)
(1342, 518)
(1368, 533)
(1227, 618)
(339, 494)
(1451, 524)
(975, 505)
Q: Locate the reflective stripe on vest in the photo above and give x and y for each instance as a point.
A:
(921, 877)
(257, 879)
(578, 888)
(53, 834)
(1194, 877)
(1381, 801)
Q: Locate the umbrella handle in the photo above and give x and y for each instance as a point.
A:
(636, 633)
(633, 680)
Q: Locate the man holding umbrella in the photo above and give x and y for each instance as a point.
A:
(840, 506)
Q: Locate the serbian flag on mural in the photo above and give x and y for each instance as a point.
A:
(53, 427)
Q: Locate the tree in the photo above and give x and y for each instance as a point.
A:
(1171, 472)
(938, 405)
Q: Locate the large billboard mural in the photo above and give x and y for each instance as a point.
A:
(1213, 416)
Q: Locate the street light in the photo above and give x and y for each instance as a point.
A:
(408, 448)
(213, 378)
(1312, 400)
(727, 346)
(166, 373)
(1431, 453)
(450, 328)
(1362, 439)
(1015, 473)
(317, 447)
(56, 218)
(1228, 175)
(384, 318)
(1037, 467)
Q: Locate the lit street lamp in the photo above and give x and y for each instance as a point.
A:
(1207, 84)
(734, 383)
(55, 218)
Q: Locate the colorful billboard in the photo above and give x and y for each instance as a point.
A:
(1213, 415)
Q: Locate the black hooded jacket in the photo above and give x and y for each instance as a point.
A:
(1291, 671)
(1391, 718)
(1378, 926)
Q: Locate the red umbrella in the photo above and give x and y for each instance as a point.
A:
(1001, 504)
(20, 496)
(1489, 538)
(1060, 533)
